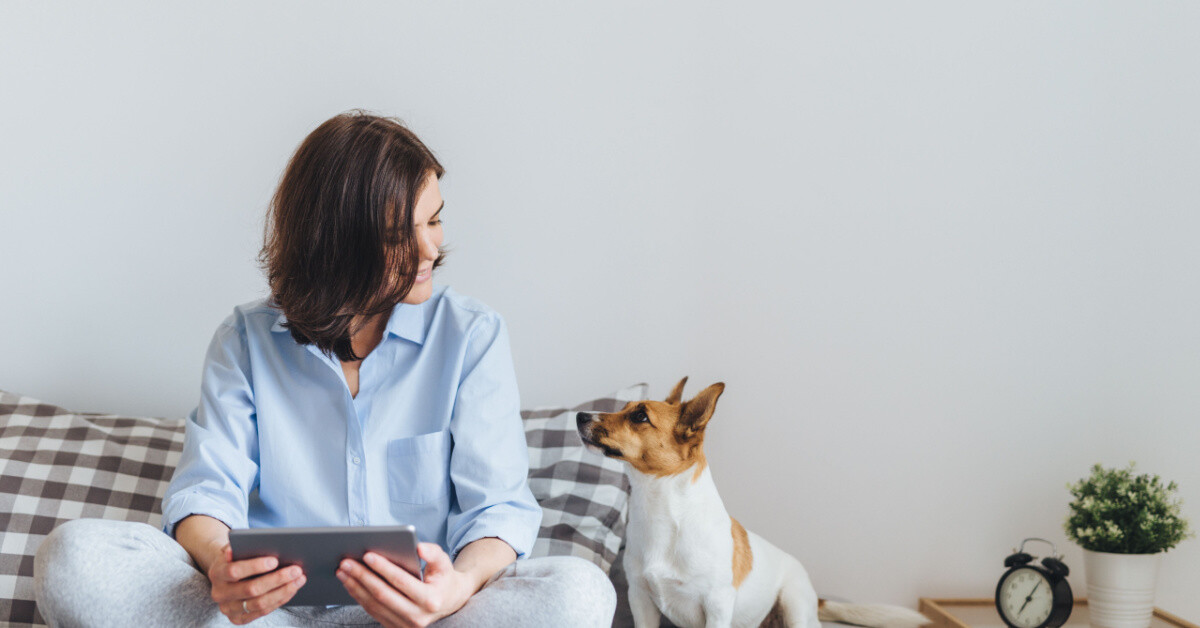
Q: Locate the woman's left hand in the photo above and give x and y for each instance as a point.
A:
(401, 599)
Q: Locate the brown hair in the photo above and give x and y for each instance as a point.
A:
(339, 239)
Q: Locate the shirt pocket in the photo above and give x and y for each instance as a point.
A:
(419, 468)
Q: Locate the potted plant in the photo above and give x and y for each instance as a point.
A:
(1124, 522)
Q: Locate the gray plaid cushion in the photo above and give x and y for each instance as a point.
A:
(56, 466)
(583, 494)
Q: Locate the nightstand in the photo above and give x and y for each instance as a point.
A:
(981, 613)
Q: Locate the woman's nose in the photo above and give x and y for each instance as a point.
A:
(429, 246)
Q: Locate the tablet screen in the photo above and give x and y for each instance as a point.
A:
(319, 551)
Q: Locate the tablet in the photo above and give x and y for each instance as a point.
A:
(319, 551)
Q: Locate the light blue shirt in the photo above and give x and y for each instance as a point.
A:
(434, 437)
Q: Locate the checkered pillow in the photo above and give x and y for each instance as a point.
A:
(582, 494)
(56, 466)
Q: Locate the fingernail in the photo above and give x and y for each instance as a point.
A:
(295, 572)
(370, 558)
(346, 565)
(341, 575)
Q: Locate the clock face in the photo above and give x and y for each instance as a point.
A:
(1026, 598)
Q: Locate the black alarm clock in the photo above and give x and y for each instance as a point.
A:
(1032, 596)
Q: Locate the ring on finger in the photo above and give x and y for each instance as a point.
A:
(245, 609)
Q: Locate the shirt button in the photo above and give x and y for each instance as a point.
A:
(356, 460)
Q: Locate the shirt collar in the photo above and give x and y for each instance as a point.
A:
(406, 321)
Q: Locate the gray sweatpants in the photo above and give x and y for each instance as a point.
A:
(95, 572)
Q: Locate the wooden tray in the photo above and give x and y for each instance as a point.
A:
(981, 613)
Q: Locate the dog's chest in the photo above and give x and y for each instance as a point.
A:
(673, 580)
(679, 548)
(666, 549)
(678, 569)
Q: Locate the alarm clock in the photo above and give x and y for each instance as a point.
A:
(1032, 596)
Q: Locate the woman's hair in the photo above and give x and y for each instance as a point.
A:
(339, 239)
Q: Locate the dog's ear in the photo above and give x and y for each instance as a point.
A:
(695, 412)
(677, 392)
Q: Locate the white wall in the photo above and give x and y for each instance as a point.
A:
(943, 254)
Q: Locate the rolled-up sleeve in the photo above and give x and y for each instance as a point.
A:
(218, 468)
(489, 462)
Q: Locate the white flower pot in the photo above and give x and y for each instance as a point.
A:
(1120, 588)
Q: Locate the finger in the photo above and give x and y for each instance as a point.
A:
(435, 557)
(374, 607)
(267, 603)
(233, 610)
(257, 587)
(225, 584)
(401, 580)
(224, 557)
(242, 569)
(376, 588)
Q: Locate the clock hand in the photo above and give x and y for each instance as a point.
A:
(1030, 597)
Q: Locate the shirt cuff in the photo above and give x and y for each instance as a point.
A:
(517, 527)
(184, 505)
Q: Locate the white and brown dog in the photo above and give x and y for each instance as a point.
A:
(685, 557)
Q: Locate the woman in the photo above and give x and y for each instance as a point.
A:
(359, 393)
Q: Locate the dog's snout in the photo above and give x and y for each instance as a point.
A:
(581, 418)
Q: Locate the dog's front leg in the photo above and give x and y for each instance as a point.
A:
(718, 608)
(645, 613)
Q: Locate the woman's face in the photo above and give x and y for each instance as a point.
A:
(427, 231)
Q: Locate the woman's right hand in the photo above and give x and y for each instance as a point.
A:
(242, 593)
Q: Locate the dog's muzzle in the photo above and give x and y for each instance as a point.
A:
(583, 423)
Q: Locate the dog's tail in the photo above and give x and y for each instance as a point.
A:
(873, 615)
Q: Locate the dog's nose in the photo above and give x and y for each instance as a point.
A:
(581, 418)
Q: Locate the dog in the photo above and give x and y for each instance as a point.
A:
(685, 557)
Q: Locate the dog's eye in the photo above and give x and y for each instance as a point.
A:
(639, 417)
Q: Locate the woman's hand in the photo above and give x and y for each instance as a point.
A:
(243, 598)
(400, 599)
